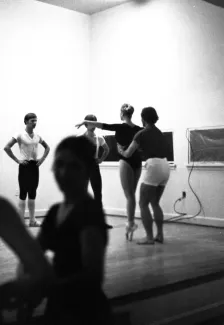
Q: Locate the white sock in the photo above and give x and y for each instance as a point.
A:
(22, 207)
(31, 207)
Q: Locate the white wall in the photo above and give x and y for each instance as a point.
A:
(44, 68)
(165, 53)
(168, 54)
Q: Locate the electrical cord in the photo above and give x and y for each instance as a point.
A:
(189, 183)
(175, 203)
(181, 215)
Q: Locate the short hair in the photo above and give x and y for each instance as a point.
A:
(29, 116)
(90, 117)
(127, 110)
(81, 147)
(149, 115)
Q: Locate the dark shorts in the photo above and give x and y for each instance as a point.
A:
(28, 180)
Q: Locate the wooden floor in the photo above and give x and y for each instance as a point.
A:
(188, 251)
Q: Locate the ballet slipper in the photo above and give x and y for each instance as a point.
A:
(129, 231)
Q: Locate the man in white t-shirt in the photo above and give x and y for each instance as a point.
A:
(29, 163)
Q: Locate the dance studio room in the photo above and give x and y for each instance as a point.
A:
(112, 162)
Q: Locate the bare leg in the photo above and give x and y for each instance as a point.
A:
(158, 213)
(128, 183)
(137, 174)
(147, 193)
(31, 207)
(22, 207)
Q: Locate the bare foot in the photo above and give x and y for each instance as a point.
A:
(145, 241)
(159, 239)
(34, 223)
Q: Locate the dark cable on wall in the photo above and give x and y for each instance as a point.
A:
(189, 176)
(181, 215)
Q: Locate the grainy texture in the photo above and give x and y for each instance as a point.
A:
(188, 251)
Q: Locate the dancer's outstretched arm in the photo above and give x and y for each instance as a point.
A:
(94, 124)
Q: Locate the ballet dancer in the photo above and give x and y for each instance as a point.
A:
(153, 145)
(29, 164)
(130, 168)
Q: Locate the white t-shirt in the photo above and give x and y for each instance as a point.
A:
(98, 141)
(28, 146)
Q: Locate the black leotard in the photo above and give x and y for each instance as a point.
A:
(124, 135)
(74, 302)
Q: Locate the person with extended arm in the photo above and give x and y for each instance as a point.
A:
(129, 168)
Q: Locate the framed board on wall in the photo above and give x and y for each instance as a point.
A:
(113, 155)
(206, 145)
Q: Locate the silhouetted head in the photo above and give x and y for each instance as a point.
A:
(149, 116)
(73, 160)
(90, 117)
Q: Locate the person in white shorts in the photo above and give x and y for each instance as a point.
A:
(29, 164)
(152, 143)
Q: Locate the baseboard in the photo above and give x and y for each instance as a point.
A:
(38, 213)
(199, 220)
(187, 219)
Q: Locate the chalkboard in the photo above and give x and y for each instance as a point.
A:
(113, 155)
(206, 145)
(169, 139)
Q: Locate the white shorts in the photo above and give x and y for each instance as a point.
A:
(157, 172)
